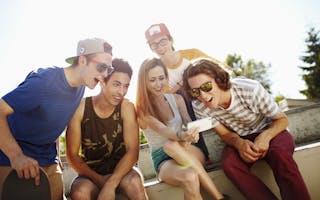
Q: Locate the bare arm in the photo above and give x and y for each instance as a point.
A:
(131, 140)
(279, 124)
(25, 166)
(159, 127)
(182, 109)
(252, 151)
(248, 151)
(73, 140)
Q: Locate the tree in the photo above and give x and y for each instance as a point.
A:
(251, 69)
(311, 71)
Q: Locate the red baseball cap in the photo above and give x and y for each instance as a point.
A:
(155, 31)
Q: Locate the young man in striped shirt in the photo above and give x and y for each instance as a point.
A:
(250, 122)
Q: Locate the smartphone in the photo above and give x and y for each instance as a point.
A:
(203, 124)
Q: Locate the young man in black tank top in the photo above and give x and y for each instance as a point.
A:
(106, 128)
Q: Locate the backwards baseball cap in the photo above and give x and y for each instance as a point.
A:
(155, 31)
(91, 46)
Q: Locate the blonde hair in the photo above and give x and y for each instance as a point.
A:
(143, 101)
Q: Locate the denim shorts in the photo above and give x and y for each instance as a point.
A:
(158, 156)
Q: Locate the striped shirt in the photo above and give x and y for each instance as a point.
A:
(251, 110)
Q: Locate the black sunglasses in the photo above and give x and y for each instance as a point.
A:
(102, 67)
(205, 87)
(162, 42)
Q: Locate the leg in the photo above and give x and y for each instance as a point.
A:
(132, 185)
(84, 189)
(285, 169)
(56, 183)
(172, 173)
(192, 156)
(239, 174)
(202, 145)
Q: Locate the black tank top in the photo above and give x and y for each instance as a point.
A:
(102, 139)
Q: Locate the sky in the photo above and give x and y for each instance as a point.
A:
(39, 33)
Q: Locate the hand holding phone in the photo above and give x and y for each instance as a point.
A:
(203, 124)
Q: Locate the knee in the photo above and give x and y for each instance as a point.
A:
(190, 178)
(132, 181)
(231, 165)
(227, 164)
(132, 186)
(80, 194)
(280, 158)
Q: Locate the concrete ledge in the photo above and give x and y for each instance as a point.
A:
(307, 158)
(304, 123)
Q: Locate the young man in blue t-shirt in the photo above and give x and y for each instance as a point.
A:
(33, 115)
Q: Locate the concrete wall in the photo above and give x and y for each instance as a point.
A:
(288, 104)
(304, 123)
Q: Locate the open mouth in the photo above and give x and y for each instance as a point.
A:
(118, 98)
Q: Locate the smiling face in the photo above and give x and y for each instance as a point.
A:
(211, 98)
(156, 80)
(115, 88)
(161, 45)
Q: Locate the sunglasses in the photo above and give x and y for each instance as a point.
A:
(162, 43)
(205, 87)
(102, 67)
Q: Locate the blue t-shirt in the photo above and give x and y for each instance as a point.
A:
(43, 105)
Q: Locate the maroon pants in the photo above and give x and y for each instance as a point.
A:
(285, 170)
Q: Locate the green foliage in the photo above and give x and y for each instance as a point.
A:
(62, 140)
(311, 71)
(250, 69)
(142, 138)
(279, 98)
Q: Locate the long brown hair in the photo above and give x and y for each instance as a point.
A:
(143, 98)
